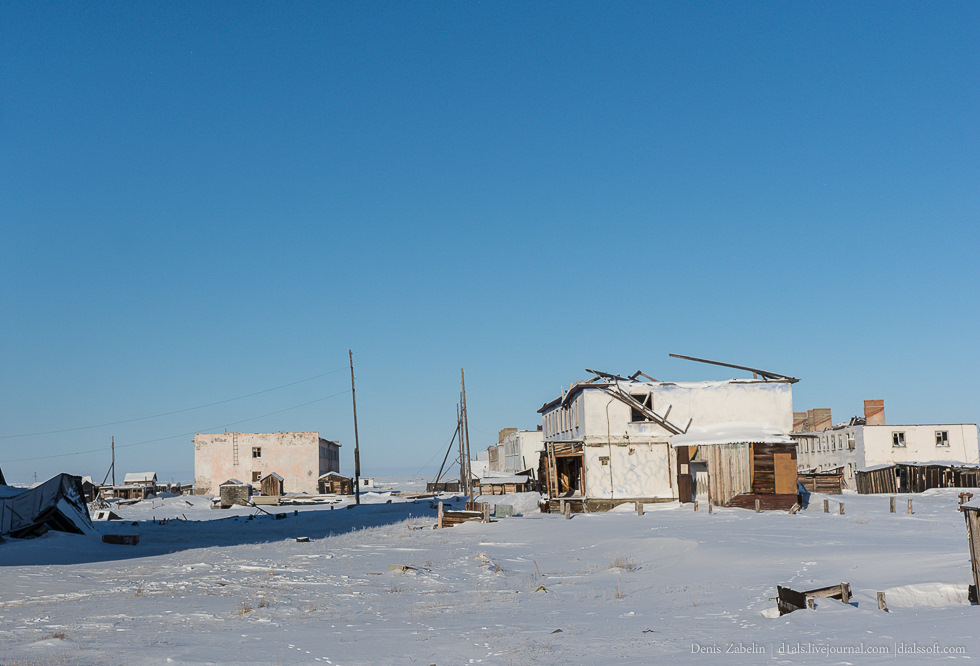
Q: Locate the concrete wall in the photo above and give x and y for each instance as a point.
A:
(295, 456)
(640, 470)
(920, 444)
(521, 450)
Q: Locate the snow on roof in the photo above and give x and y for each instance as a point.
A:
(503, 478)
(232, 482)
(272, 474)
(733, 432)
(138, 477)
(337, 474)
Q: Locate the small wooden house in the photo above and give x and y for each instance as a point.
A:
(736, 464)
(335, 483)
(272, 484)
(233, 492)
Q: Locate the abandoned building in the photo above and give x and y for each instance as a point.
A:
(299, 458)
(336, 484)
(867, 442)
(609, 440)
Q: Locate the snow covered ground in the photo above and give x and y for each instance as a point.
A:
(376, 584)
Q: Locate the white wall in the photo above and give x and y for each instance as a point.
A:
(595, 415)
(636, 470)
(920, 444)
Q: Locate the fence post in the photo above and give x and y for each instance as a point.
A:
(826, 506)
(910, 506)
(842, 508)
(639, 508)
(891, 505)
(757, 506)
(439, 524)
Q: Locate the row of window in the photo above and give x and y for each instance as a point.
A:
(898, 438)
(561, 419)
(832, 442)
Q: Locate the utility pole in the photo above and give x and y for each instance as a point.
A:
(357, 449)
(462, 454)
(113, 460)
(466, 432)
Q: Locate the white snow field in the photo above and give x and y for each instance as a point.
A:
(376, 584)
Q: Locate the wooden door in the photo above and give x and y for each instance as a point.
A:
(785, 472)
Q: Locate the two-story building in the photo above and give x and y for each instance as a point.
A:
(298, 458)
(608, 440)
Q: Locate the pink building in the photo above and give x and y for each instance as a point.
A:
(300, 458)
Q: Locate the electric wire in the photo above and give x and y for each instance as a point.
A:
(178, 411)
(186, 434)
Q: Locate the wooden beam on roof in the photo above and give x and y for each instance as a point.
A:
(765, 374)
(609, 375)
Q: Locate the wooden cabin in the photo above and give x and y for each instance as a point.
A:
(336, 484)
(272, 484)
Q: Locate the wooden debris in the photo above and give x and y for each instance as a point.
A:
(881, 602)
(121, 539)
(789, 600)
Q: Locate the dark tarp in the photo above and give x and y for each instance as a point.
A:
(56, 504)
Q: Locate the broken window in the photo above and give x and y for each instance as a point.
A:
(256, 476)
(645, 399)
(942, 438)
(898, 439)
(850, 441)
(256, 451)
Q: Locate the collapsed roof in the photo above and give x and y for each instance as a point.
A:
(57, 504)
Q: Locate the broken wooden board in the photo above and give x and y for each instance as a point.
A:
(788, 600)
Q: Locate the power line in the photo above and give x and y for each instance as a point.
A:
(178, 411)
(185, 434)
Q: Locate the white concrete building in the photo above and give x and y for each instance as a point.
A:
(868, 441)
(610, 437)
(300, 458)
(522, 450)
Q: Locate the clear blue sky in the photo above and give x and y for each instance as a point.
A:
(204, 201)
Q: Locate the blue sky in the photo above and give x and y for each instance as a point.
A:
(206, 201)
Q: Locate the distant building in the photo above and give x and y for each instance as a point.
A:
(522, 450)
(299, 458)
(867, 441)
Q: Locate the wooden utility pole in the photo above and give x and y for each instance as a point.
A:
(462, 456)
(357, 448)
(466, 431)
(113, 460)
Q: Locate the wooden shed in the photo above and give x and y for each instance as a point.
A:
(272, 484)
(736, 464)
(503, 484)
(827, 482)
(233, 492)
(335, 483)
